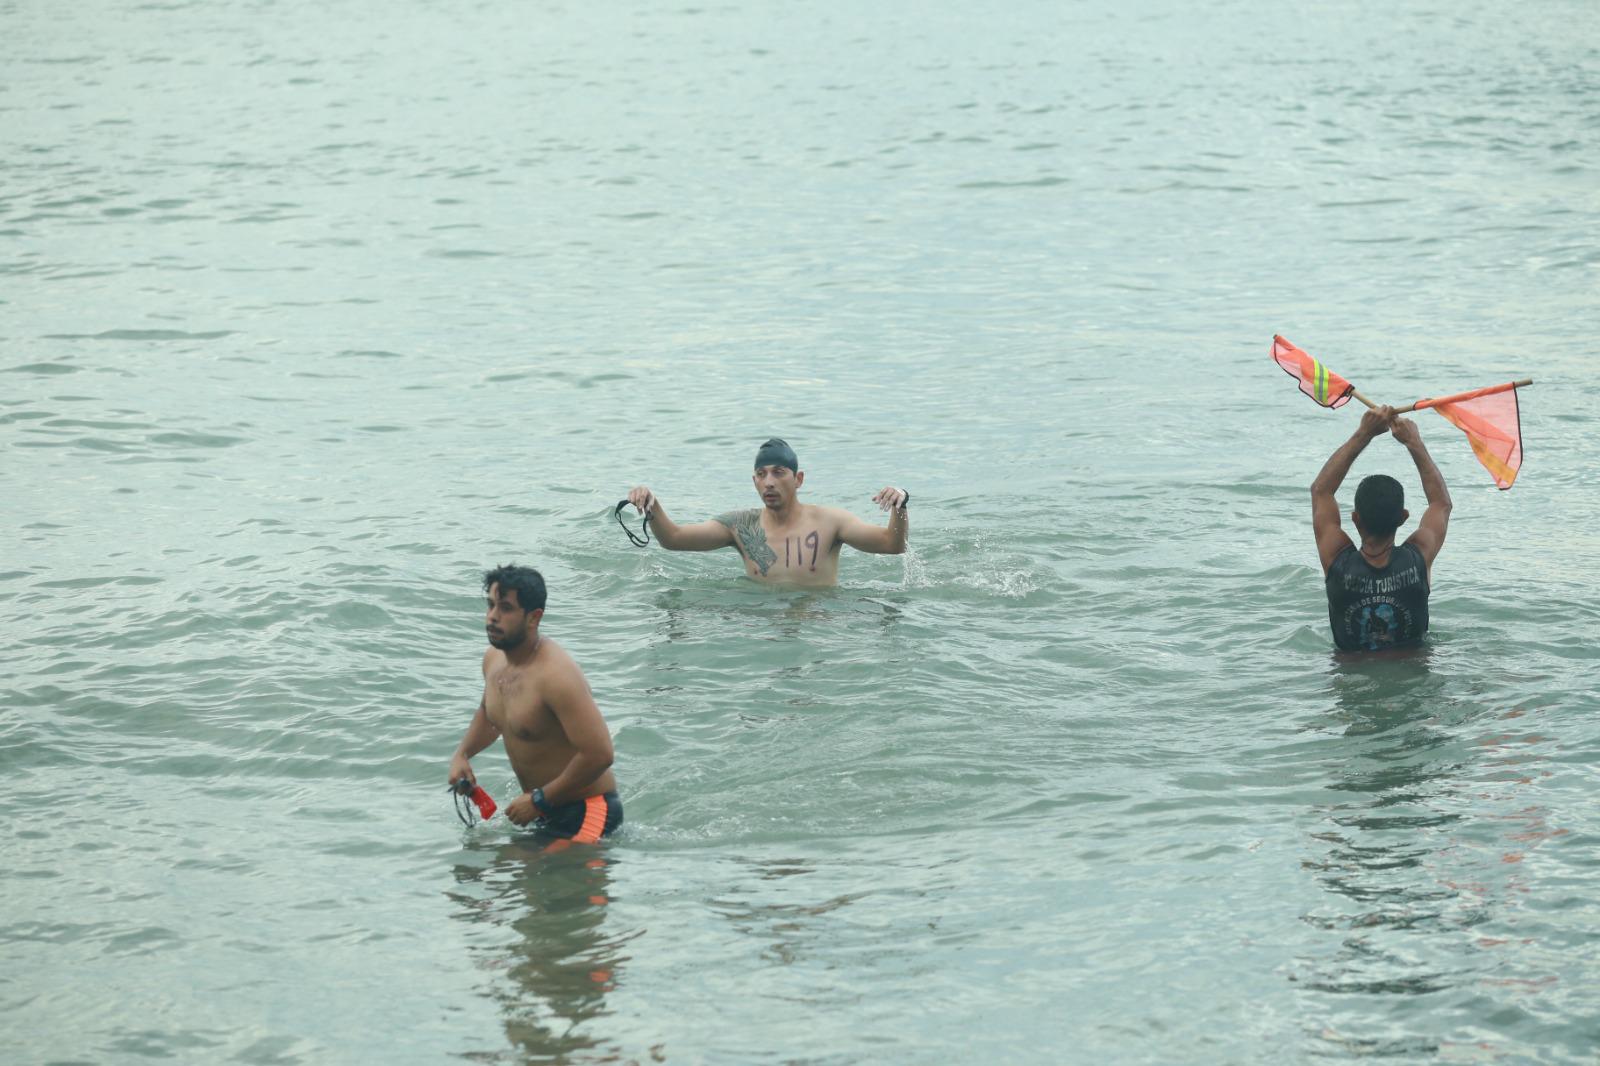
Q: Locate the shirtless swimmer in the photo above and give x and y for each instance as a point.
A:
(784, 541)
(537, 700)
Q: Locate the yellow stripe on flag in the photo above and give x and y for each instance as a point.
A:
(1492, 462)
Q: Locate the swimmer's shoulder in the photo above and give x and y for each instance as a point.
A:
(832, 517)
(735, 519)
(559, 669)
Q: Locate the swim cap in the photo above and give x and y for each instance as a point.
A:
(776, 452)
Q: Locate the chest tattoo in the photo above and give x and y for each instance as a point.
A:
(746, 527)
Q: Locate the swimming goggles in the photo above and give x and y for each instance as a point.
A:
(643, 526)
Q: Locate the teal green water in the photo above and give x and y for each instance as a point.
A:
(310, 312)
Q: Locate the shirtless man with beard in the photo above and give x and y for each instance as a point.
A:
(536, 699)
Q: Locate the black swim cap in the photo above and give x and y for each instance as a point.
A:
(1379, 501)
(776, 452)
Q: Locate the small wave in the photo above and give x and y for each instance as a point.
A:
(141, 335)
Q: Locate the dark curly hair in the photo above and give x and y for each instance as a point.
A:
(527, 582)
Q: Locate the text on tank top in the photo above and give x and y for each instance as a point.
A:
(1372, 608)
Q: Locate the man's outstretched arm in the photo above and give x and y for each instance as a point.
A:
(1429, 537)
(700, 537)
(1331, 537)
(863, 536)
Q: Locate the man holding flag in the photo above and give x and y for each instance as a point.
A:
(1378, 592)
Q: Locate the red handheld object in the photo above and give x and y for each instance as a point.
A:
(484, 801)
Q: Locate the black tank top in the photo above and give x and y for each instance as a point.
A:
(1371, 608)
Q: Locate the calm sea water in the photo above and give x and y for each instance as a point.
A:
(311, 312)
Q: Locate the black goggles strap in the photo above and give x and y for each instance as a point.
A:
(462, 797)
(643, 526)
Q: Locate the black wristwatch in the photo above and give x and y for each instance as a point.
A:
(539, 803)
(905, 502)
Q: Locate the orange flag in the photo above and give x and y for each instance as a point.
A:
(1490, 419)
(1316, 380)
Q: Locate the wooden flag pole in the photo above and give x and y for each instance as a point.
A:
(1473, 394)
(1422, 405)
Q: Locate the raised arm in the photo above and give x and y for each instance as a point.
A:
(863, 536)
(700, 537)
(1429, 537)
(1331, 537)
